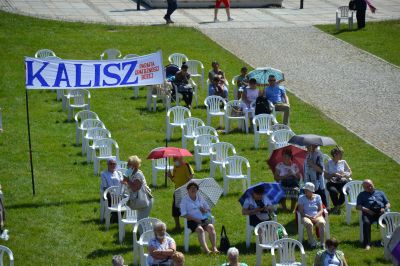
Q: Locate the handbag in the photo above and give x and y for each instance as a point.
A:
(138, 201)
(224, 243)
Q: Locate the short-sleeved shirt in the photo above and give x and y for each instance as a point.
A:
(340, 166)
(109, 179)
(181, 174)
(284, 169)
(311, 207)
(192, 207)
(250, 204)
(310, 175)
(275, 94)
(165, 245)
(251, 94)
(367, 199)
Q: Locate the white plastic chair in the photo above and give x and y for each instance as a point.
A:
(84, 124)
(202, 145)
(351, 191)
(116, 197)
(110, 54)
(279, 139)
(77, 99)
(43, 53)
(4, 249)
(262, 124)
(286, 248)
(219, 152)
(300, 225)
(343, 12)
(142, 226)
(215, 107)
(130, 218)
(242, 119)
(156, 92)
(196, 70)
(91, 135)
(190, 124)
(122, 166)
(250, 228)
(159, 165)
(232, 169)
(177, 59)
(388, 222)
(187, 232)
(205, 130)
(269, 234)
(179, 113)
(105, 150)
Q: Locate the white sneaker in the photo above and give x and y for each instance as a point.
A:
(230, 19)
(216, 20)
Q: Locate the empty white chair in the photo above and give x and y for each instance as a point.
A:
(300, 226)
(196, 70)
(351, 191)
(188, 127)
(219, 152)
(262, 124)
(234, 111)
(128, 217)
(343, 12)
(215, 107)
(187, 232)
(143, 225)
(177, 59)
(388, 222)
(156, 92)
(268, 233)
(202, 145)
(43, 53)
(179, 113)
(277, 127)
(232, 169)
(105, 151)
(91, 135)
(159, 165)
(279, 139)
(4, 249)
(110, 54)
(88, 123)
(77, 99)
(115, 195)
(205, 130)
(286, 248)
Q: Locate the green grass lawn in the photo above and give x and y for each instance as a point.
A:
(60, 225)
(379, 38)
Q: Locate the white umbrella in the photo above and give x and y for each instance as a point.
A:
(209, 190)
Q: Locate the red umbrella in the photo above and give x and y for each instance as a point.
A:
(299, 155)
(167, 152)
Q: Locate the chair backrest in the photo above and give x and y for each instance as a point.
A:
(269, 232)
(204, 142)
(78, 96)
(190, 124)
(179, 113)
(145, 224)
(281, 137)
(277, 127)
(195, 67)
(160, 163)
(91, 123)
(177, 59)
(85, 114)
(4, 249)
(344, 11)
(205, 130)
(122, 166)
(105, 146)
(235, 164)
(286, 248)
(130, 214)
(110, 54)
(130, 56)
(233, 105)
(115, 195)
(43, 53)
(389, 221)
(263, 122)
(352, 189)
(220, 151)
(52, 57)
(97, 133)
(214, 103)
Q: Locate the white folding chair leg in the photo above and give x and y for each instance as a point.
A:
(212, 169)
(186, 241)
(248, 235)
(96, 166)
(107, 217)
(301, 231)
(121, 231)
(226, 186)
(258, 254)
(227, 126)
(101, 208)
(348, 214)
(197, 158)
(136, 92)
(78, 133)
(208, 120)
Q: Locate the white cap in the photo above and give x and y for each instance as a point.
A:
(309, 186)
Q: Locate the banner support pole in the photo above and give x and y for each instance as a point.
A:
(29, 141)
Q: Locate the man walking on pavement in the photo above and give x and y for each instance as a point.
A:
(172, 6)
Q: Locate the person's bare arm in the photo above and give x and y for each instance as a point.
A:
(287, 99)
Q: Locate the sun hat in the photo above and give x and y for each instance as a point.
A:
(309, 186)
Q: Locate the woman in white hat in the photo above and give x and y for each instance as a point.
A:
(310, 208)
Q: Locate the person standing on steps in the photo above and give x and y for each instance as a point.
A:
(172, 6)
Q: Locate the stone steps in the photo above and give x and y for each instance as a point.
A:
(211, 4)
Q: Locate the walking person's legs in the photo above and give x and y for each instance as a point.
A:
(172, 6)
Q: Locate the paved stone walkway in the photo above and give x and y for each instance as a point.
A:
(353, 87)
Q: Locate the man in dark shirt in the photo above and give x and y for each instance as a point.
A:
(372, 203)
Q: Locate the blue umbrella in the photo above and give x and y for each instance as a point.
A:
(261, 74)
(273, 191)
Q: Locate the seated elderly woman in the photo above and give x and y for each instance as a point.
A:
(330, 256)
(233, 258)
(162, 248)
(337, 173)
(258, 207)
(310, 208)
(197, 212)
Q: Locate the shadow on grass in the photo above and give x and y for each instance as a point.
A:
(344, 30)
(107, 252)
(92, 221)
(50, 204)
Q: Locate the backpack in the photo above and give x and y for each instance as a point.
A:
(262, 106)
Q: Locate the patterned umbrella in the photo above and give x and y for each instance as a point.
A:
(208, 189)
(273, 191)
(311, 139)
(261, 74)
